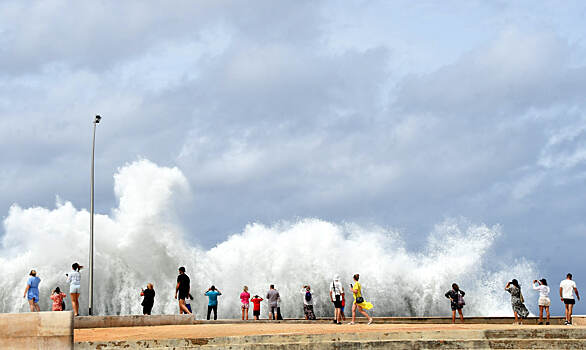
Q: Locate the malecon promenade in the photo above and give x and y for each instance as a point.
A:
(60, 330)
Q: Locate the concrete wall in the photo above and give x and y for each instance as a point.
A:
(162, 320)
(37, 330)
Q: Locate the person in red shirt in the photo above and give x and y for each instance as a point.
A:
(57, 297)
(256, 309)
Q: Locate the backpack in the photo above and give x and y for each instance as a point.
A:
(307, 296)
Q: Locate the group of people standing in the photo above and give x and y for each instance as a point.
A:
(567, 290)
(337, 296)
(31, 291)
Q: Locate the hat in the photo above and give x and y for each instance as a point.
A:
(336, 277)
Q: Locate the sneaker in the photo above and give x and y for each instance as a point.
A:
(370, 321)
(335, 322)
(547, 323)
(565, 323)
(540, 323)
(350, 323)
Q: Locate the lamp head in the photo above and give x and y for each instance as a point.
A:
(97, 120)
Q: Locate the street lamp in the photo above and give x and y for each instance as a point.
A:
(91, 304)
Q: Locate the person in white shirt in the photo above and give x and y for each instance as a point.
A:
(544, 301)
(74, 280)
(567, 290)
(336, 296)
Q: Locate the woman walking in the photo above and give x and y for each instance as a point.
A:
(245, 300)
(74, 280)
(31, 291)
(517, 301)
(359, 302)
(57, 296)
(149, 299)
(456, 296)
(543, 301)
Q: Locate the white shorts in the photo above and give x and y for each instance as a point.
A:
(244, 306)
(73, 288)
(544, 301)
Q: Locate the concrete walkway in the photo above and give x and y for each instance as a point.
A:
(251, 329)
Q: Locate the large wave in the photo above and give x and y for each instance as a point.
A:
(142, 241)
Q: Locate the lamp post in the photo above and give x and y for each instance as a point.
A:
(91, 299)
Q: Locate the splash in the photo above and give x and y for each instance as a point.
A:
(142, 241)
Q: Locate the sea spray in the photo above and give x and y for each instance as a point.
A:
(142, 241)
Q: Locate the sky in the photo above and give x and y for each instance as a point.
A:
(394, 113)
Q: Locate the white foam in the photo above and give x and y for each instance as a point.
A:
(141, 241)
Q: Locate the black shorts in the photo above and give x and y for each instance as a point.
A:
(182, 295)
(338, 302)
(256, 313)
(569, 301)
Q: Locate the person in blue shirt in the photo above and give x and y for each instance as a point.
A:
(212, 294)
(32, 291)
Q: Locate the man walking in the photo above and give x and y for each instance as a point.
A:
(567, 290)
(183, 290)
(272, 298)
(336, 296)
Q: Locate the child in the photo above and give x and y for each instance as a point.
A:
(57, 298)
(188, 301)
(256, 309)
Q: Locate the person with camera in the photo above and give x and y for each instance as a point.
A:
(517, 301)
(74, 280)
(212, 293)
(359, 302)
(149, 299)
(543, 301)
(456, 296)
(58, 303)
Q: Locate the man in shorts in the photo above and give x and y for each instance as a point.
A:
(272, 297)
(567, 290)
(182, 290)
(336, 296)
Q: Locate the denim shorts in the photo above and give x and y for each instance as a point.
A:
(74, 288)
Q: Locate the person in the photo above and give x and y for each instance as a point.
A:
(456, 296)
(567, 290)
(212, 294)
(308, 303)
(57, 296)
(272, 297)
(74, 280)
(149, 299)
(31, 292)
(359, 302)
(182, 289)
(279, 315)
(517, 301)
(336, 297)
(256, 306)
(543, 301)
(188, 301)
(245, 302)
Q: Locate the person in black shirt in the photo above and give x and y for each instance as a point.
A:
(456, 296)
(149, 299)
(183, 290)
